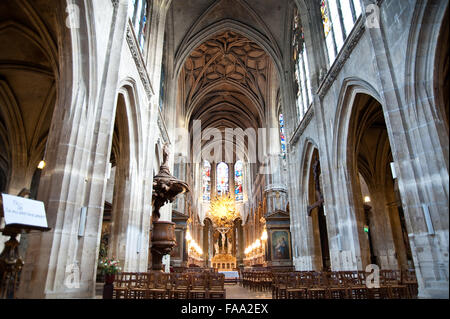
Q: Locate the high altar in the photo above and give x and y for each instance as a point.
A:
(223, 262)
(223, 214)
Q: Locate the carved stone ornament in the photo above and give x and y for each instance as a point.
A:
(165, 186)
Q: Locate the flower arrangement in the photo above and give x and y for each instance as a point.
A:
(109, 266)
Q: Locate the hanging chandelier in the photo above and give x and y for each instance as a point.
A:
(223, 211)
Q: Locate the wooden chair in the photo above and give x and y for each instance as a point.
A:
(158, 287)
(318, 286)
(216, 286)
(279, 286)
(267, 280)
(297, 285)
(181, 284)
(391, 279)
(336, 286)
(199, 286)
(139, 286)
(409, 279)
(355, 282)
(121, 283)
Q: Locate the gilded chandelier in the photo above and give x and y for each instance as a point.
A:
(223, 211)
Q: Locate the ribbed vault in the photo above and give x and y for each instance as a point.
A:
(225, 83)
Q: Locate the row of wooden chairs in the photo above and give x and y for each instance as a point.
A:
(393, 284)
(159, 285)
(257, 280)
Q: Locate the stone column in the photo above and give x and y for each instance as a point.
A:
(62, 263)
(419, 149)
(231, 179)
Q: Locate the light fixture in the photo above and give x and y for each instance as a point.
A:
(188, 236)
(223, 211)
(41, 164)
(366, 199)
(264, 235)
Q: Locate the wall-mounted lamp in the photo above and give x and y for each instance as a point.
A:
(366, 199)
(41, 164)
(264, 235)
(188, 236)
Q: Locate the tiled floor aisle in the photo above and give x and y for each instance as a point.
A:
(238, 292)
(233, 292)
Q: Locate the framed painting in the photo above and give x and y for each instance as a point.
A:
(280, 245)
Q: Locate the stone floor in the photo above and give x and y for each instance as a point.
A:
(238, 292)
(234, 291)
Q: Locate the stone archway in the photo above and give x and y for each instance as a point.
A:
(378, 214)
(127, 230)
(316, 213)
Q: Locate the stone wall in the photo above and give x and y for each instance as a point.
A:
(394, 64)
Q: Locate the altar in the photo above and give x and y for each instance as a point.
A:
(231, 277)
(223, 262)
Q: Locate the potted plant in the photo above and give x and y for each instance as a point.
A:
(109, 268)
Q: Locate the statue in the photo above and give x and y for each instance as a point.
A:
(223, 244)
(216, 248)
(165, 156)
(230, 246)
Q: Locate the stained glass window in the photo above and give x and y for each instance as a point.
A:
(282, 135)
(302, 79)
(138, 14)
(239, 180)
(206, 181)
(222, 178)
(339, 17)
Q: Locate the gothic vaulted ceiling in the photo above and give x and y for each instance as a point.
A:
(224, 55)
(28, 64)
(226, 78)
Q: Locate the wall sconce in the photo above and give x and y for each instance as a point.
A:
(41, 164)
(188, 236)
(366, 199)
(264, 235)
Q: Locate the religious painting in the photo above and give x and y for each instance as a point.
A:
(280, 245)
(178, 249)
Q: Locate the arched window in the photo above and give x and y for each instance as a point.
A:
(206, 181)
(239, 180)
(222, 178)
(302, 79)
(138, 14)
(339, 18)
(282, 135)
